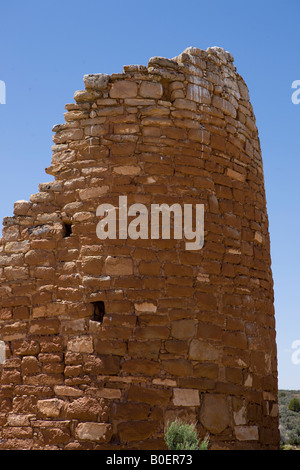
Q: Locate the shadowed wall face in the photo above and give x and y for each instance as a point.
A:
(109, 339)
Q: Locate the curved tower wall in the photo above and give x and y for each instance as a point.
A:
(108, 340)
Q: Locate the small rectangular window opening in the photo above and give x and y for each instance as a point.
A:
(68, 229)
(99, 311)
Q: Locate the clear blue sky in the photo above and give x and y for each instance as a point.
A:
(47, 47)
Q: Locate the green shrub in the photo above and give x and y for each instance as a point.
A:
(183, 436)
(294, 439)
(294, 405)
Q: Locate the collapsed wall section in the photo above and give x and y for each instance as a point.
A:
(108, 340)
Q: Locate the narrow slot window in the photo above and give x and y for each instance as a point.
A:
(68, 230)
(99, 311)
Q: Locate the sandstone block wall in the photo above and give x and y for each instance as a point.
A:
(107, 341)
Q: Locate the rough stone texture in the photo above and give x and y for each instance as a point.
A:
(184, 334)
(214, 413)
(93, 432)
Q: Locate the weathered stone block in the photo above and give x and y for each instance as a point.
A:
(81, 344)
(84, 409)
(92, 193)
(30, 365)
(118, 348)
(118, 266)
(183, 329)
(186, 397)
(154, 396)
(44, 327)
(39, 257)
(103, 365)
(178, 367)
(214, 413)
(141, 367)
(203, 351)
(65, 391)
(123, 89)
(151, 90)
(130, 411)
(246, 433)
(137, 430)
(147, 349)
(98, 432)
(97, 81)
(50, 408)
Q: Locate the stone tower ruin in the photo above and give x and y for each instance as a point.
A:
(106, 341)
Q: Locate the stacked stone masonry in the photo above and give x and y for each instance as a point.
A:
(187, 334)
